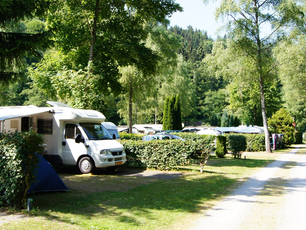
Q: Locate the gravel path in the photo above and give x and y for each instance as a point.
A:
(273, 198)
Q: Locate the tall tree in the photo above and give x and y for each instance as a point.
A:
(291, 57)
(141, 89)
(246, 21)
(133, 83)
(105, 34)
(166, 114)
(214, 104)
(170, 111)
(179, 82)
(177, 113)
(15, 45)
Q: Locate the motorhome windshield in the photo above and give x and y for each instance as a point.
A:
(95, 131)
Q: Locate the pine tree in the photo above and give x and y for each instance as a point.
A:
(171, 117)
(166, 115)
(15, 46)
(177, 114)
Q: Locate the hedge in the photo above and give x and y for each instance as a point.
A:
(255, 142)
(237, 144)
(167, 154)
(130, 136)
(221, 146)
(18, 163)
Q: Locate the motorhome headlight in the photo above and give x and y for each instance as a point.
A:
(106, 152)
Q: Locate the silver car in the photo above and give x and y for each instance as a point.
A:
(161, 137)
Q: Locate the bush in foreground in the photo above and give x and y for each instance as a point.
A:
(18, 162)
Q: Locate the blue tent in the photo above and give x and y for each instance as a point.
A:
(47, 179)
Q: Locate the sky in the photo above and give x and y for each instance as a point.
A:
(198, 15)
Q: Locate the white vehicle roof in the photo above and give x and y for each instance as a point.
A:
(240, 129)
(109, 125)
(62, 112)
(209, 132)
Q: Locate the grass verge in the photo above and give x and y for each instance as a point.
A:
(116, 201)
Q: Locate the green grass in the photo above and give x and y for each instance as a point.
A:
(104, 201)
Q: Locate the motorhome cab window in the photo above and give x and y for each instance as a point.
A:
(71, 131)
(44, 126)
(95, 131)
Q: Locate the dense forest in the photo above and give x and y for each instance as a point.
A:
(126, 64)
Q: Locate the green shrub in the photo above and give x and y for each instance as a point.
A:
(190, 136)
(18, 162)
(282, 123)
(130, 136)
(133, 149)
(221, 146)
(237, 144)
(255, 142)
(167, 154)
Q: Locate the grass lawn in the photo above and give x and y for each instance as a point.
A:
(116, 201)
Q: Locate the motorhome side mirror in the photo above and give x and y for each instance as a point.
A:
(79, 138)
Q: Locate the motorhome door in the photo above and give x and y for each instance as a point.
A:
(71, 149)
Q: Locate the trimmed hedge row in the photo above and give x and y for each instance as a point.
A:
(143, 154)
(167, 154)
(237, 144)
(255, 142)
(130, 136)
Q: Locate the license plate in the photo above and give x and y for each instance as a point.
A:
(119, 163)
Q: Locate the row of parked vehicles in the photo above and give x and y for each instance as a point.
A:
(76, 136)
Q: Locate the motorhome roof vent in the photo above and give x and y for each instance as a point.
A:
(57, 104)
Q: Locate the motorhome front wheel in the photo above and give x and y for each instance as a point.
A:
(86, 165)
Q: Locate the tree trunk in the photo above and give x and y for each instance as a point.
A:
(264, 117)
(261, 78)
(93, 35)
(130, 107)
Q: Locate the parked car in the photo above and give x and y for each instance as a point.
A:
(190, 130)
(160, 136)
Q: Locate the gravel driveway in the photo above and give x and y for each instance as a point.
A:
(273, 198)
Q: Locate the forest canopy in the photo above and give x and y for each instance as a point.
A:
(123, 59)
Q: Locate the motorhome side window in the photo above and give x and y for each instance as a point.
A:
(44, 126)
(71, 131)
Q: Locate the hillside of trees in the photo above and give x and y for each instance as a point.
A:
(115, 64)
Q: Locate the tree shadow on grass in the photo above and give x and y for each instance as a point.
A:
(135, 205)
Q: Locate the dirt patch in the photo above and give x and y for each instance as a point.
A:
(6, 217)
(120, 181)
(154, 174)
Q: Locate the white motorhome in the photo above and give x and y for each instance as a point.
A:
(72, 136)
(112, 129)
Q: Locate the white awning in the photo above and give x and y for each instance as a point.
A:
(16, 112)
